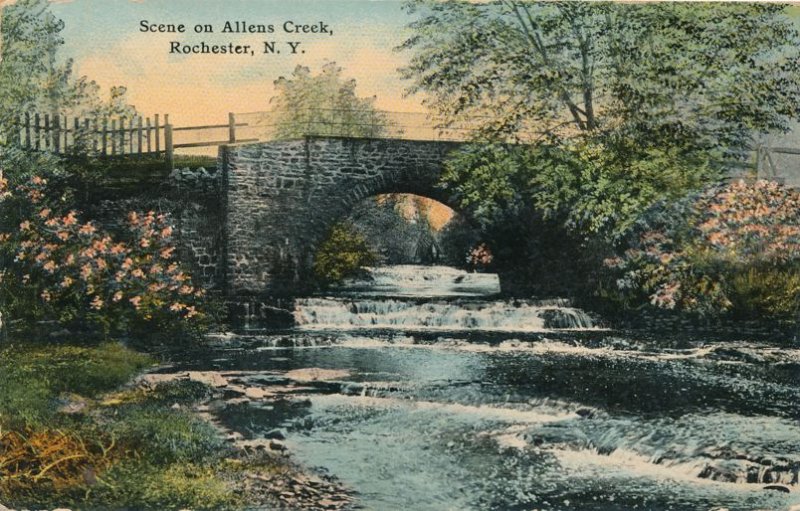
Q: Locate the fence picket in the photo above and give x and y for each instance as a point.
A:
(158, 136)
(113, 137)
(139, 128)
(37, 130)
(47, 135)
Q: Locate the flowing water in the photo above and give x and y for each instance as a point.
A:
(421, 395)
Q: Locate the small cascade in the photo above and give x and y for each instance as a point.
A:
(421, 281)
(501, 316)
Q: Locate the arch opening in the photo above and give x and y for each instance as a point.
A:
(405, 244)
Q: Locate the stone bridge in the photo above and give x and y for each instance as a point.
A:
(279, 200)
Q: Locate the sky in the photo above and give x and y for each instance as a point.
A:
(105, 40)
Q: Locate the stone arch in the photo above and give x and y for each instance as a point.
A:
(281, 198)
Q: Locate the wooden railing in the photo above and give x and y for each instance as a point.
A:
(115, 137)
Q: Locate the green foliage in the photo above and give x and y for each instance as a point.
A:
(602, 190)
(700, 75)
(33, 376)
(733, 249)
(179, 391)
(139, 455)
(34, 78)
(58, 268)
(342, 255)
(325, 104)
(765, 292)
(594, 189)
(165, 436)
(139, 485)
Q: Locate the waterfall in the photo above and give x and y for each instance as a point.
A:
(419, 298)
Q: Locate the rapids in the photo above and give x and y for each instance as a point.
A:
(423, 392)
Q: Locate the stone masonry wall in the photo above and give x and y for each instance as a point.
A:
(192, 200)
(283, 197)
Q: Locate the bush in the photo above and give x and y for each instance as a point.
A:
(342, 255)
(59, 268)
(734, 249)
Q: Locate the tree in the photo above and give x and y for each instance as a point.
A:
(699, 75)
(325, 104)
(619, 105)
(34, 78)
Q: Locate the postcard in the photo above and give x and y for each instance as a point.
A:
(391, 255)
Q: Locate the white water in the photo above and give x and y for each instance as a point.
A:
(441, 310)
(459, 420)
(421, 281)
(499, 316)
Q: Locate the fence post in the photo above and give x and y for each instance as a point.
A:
(27, 130)
(139, 137)
(48, 137)
(113, 137)
(158, 135)
(149, 133)
(37, 129)
(56, 135)
(168, 144)
(231, 127)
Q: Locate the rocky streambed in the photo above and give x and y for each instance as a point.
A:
(287, 484)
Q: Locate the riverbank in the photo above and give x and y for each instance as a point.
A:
(88, 427)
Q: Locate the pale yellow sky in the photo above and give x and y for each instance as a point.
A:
(104, 38)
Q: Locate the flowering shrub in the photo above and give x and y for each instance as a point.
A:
(713, 253)
(480, 257)
(58, 267)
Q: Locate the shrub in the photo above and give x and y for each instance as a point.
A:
(180, 391)
(733, 249)
(59, 268)
(342, 255)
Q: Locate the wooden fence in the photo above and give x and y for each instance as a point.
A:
(114, 137)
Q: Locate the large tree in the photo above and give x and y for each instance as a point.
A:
(323, 104)
(704, 74)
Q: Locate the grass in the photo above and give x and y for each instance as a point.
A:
(118, 449)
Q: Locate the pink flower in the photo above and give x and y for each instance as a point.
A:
(87, 229)
(136, 301)
(117, 296)
(70, 219)
(97, 303)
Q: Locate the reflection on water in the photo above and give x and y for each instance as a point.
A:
(566, 418)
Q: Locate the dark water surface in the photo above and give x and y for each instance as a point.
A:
(479, 412)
